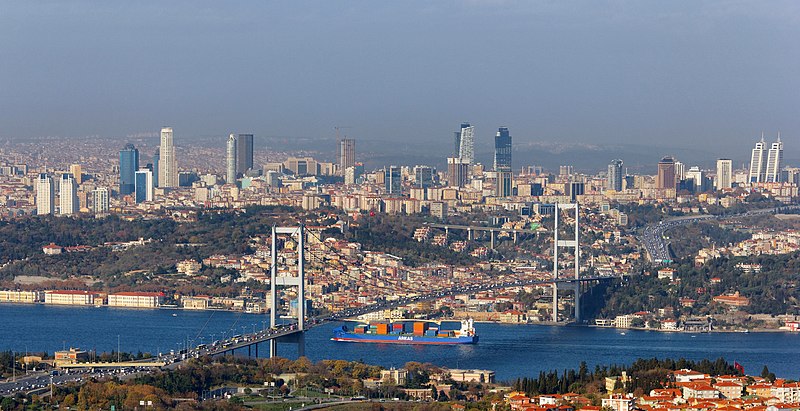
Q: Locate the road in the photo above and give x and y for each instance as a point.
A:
(657, 246)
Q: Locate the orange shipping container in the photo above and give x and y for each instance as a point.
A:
(383, 328)
(419, 328)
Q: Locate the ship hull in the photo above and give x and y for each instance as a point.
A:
(344, 336)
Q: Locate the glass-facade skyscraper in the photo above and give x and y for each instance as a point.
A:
(502, 149)
(128, 164)
(244, 153)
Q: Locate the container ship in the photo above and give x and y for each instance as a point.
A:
(408, 332)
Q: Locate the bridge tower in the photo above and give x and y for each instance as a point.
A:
(574, 244)
(298, 281)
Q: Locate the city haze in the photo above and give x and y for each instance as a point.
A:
(705, 76)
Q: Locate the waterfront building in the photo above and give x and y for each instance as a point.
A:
(614, 176)
(168, 164)
(69, 297)
(100, 203)
(393, 180)
(45, 195)
(465, 143)
(502, 149)
(17, 296)
(71, 356)
(758, 164)
(724, 173)
(772, 173)
(68, 195)
(128, 164)
(144, 186)
(136, 300)
(347, 154)
(666, 173)
(200, 302)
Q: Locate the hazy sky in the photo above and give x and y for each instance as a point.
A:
(705, 74)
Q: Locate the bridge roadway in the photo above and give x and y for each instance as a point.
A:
(290, 330)
(657, 247)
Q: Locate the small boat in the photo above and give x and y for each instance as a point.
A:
(621, 333)
(174, 315)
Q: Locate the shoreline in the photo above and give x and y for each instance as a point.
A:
(167, 307)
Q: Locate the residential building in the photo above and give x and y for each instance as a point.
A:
(724, 174)
(156, 161)
(505, 182)
(77, 173)
(100, 203)
(502, 149)
(457, 172)
(45, 195)
(68, 195)
(128, 164)
(167, 163)
(618, 402)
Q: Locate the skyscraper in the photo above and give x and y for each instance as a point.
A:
(505, 182)
(423, 176)
(614, 178)
(128, 164)
(758, 164)
(393, 180)
(230, 160)
(100, 200)
(465, 143)
(666, 173)
(144, 186)
(502, 149)
(347, 154)
(167, 164)
(457, 172)
(45, 195)
(156, 160)
(724, 173)
(244, 153)
(68, 195)
(696, 176)
(772, 171)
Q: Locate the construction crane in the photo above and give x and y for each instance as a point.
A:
(337, 128)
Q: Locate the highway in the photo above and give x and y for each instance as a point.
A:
(657, 246)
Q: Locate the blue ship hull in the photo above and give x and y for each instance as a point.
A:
(341, 334)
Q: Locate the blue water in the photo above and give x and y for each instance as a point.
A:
(510, 350)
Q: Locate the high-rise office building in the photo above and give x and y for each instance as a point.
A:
(457, 172)
(45, 195)
(100, 200)
(724, 173)
(144, 186)
(505, 182)
(167, 164)
(77, 173)
(230, 160)
(758, 162)
(392, 180)
(566, 170)
(156, 160)
(68, 195)
(666, 173)
(502, 149)
(347, 154)
(128, 164)
(680, 171)
(772, 173)
(614, 177)
(465, 139)
(244, 153)
(695, 175)
(423, 176)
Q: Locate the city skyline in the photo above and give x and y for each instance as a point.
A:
(604, 97)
